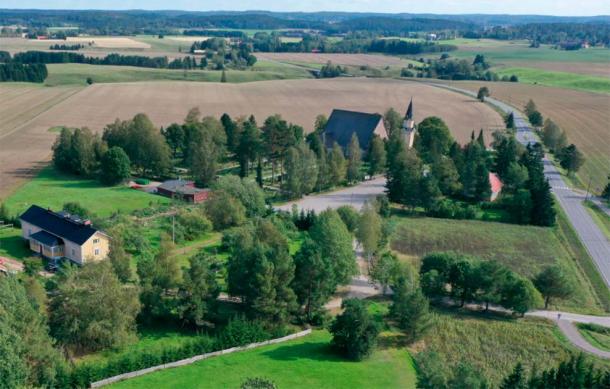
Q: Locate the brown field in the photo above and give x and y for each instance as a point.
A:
(299, 101)
(22, 143)
(584, 116)
(338, 59)
(109, 42)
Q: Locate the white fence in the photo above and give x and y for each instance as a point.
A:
(188, 361)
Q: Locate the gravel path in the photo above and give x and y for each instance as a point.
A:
(571, 332)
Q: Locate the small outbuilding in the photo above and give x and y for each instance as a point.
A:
(183, 190)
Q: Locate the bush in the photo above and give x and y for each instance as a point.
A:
(354, 331)
(240, 331)
(258, 383)
(406, 73)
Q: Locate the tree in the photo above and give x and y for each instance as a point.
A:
(432, 372)
(393, 122)
(174, 136)
(335, 243)
(301, 171)
(516, 177)
(206, 148)
(224, 210)
(552, 136)
(118, 257)
(349, 216)
(251, 196)
(337, 165)
(28, 358)
(384, 270)
(483, 93)
(369, 230)
(519, 206)
(606, 192)
(536, 119)
(433, 139)
(403, 178)
(376, 156)
(91, 310)
(447, 176)
(510, 121)
(320, 123)
(199, 290)
(519, 294)
(248, 147)
(571, 159)
(530, 107)
(278, 136)
(467, 377)
(411, 310)
(314, 281)
(553, 282)
(354, 159)
(516, 379)
(223, 76)
(115, 166)
(260, 272)
(354, 331)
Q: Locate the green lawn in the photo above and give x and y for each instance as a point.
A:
(70, 74)
(53, 189)
(566, 80)
(525, 249)
(303, 363)
(12, 244)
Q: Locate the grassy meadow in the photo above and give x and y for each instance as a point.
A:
(600, 217)
(567, 80)
(51, 188)
(525, 249)
(303, 363)
(596, 335)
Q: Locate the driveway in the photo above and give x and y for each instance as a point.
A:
(355, 196)
(571, 201)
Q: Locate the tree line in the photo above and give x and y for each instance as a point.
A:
(223, 54)
(23, 72)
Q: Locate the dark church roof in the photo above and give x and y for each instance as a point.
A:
(342, 124)
(60, 225)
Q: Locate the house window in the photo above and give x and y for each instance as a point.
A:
(29, 231)
(97, 251)
(96, 241)
(73, 252)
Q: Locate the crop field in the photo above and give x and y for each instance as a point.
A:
(71, 73)
(109, 42)
(584, 116)
(24, 145)
(525, 249)
(303, 363)
(338, 59)
(299, 101)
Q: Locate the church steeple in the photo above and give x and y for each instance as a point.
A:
(408, 126)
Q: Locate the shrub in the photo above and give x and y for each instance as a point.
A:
(240, 331)
(354, 331)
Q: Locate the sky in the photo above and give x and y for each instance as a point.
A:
(538, 7)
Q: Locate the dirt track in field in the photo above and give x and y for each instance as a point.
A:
(298, 101)
(337, 59)
(584, 116)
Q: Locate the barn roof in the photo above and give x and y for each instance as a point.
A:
(342, 124)
(61, 225)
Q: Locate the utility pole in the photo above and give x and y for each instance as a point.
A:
(588, 187)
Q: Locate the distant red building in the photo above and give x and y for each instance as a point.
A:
(496, 186)
(183, 190)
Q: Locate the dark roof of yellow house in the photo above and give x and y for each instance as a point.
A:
(62, 225)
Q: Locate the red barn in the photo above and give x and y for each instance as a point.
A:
(183, 190)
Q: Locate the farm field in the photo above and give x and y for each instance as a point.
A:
(566, 80)
(51, 188)
(299, 101)
(525, 249)
(20, 104)
(338, 59)
(109, 42)
(304, 363)
(584, 116)
(70, 73)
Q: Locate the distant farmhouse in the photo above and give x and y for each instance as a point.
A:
(183, 190)
(343, 124)
(56, 235)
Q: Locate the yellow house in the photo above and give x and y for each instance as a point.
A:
(57, 235)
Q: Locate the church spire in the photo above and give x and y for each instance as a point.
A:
(409, 115)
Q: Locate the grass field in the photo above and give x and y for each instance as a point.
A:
(584, 117)
(12, 244)
(559, 79)
(304, 363)
(493, 344)
(52, 189)
(68, 74)
(525, 249)
(597, 336)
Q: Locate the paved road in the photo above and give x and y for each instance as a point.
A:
(570, 200)
(571, 332)
(355, 196)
